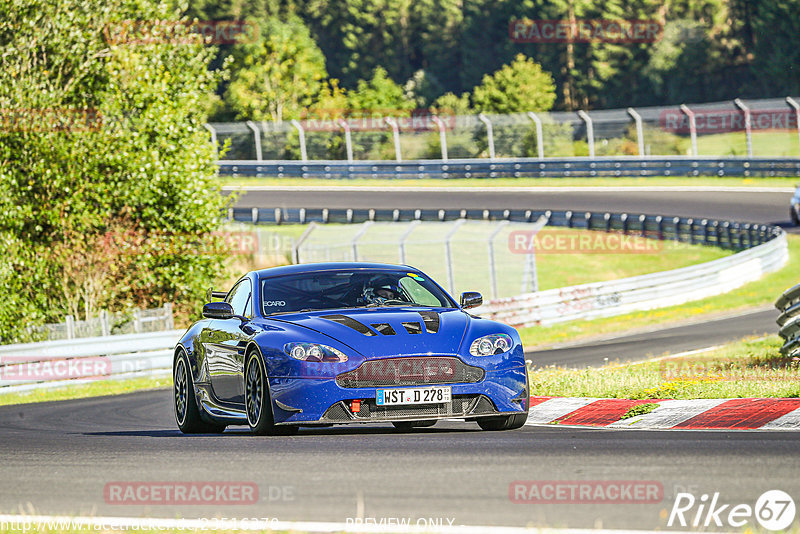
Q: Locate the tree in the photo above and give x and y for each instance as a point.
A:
(104, 161)
(379, 96)
(278, 75)
(518, 87)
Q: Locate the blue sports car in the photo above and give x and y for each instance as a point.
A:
(338, 343)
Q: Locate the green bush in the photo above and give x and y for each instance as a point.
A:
(103, 141)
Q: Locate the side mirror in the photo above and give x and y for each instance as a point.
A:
(471, 299)
(217, 310)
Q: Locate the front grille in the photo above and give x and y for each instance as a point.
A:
(460, 406)
(415, 371)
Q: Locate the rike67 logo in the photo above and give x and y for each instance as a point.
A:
(773, 510)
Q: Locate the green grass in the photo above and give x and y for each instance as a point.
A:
(744, 369)
(652, 181)
(765, 143)
(639, 409)
(755, 294)
(93, 389)
(554, 270)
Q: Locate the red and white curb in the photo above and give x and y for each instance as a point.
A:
(702, 414)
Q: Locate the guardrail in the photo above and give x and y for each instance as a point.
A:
(518, 167)
(669, 288)
(29, 366)
(729, 235)
(789, 320)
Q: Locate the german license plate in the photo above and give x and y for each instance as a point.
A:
(429, 395)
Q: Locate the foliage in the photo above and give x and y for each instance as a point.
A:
(279, 75)
(520, 86)
(104, 136)
(379, 96)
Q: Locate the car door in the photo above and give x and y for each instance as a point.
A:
(226, 366)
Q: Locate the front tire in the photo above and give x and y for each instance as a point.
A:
(187, 413)
(257, 401)
(508, 422)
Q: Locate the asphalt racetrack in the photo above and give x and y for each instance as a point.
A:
(58, 458)
(745, 206)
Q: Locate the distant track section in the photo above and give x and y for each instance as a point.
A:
(518, 167)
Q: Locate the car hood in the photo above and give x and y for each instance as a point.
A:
(381, 332)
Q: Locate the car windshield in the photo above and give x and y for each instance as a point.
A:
(328, 290)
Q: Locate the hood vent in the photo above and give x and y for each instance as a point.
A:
(350, 323)
(413, 328)
(384, 328)
(431, 319)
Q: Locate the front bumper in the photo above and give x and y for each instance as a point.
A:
(323, 401)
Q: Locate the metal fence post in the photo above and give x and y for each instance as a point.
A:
(296, 248)
(748, 127)
(256, 138)
(396, 135)
(442, 135)
(449, 254)
(589, 131)
(361, 231)
(70, 323)
(539, 141)
(213, 137)
(301, 134)
(137, 320)
(529, 273)
(402, 244)
(105, 324)
(169, 323)
(492, 265)
(489, 133)
(692, 127)
(639, 130)
(348, 140)
(793, 103)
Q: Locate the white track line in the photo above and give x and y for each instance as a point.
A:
(55, 523)
(509, 189)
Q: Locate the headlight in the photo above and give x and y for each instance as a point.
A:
(312, 352)
(492, 344)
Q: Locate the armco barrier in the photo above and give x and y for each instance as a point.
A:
(606, 299)
(56, 363)
(789, 321)
(518, 167)
(730, 235)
